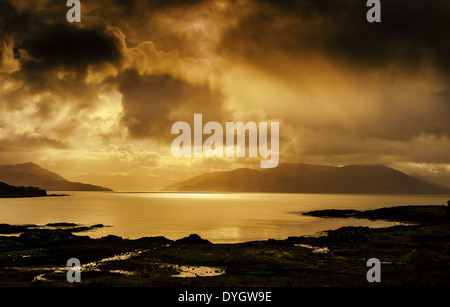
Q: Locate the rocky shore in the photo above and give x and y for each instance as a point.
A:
(417, 254)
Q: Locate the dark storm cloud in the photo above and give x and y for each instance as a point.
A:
(43, 39)
(55, 58)
(164, 23)
(52, 60)
(392, 60)
(152, 5)
(152, 103)
(12, 20)
(410, 31)
(64, 45)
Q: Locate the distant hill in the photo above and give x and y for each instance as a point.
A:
(192, 181)
(9, 191)
(127, 183)
(441, 180)
(306, 178)
(31, 174)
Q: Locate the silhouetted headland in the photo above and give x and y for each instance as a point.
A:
(408, 214)
(9, 191)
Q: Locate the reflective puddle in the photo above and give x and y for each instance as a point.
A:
(197, 271)
(315, 249)
(184, 271)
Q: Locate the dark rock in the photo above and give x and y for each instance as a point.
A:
(63, 224)
(97, 226)
(111, 238)
(414, 214)
(78, 229)
(154, 240)
(192, 239)
(45, 236)
(331, 213)
(9, 243)
(9, 229)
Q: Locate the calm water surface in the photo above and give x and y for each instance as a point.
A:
(217, 217)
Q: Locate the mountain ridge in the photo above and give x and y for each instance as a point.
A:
(310, 178)
(31, 174)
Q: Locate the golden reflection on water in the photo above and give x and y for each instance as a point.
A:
(229, 217)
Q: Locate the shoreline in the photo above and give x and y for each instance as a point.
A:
(33, 196)
(417, 254)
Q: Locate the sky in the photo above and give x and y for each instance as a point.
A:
(100, 96)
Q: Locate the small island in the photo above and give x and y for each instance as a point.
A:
(9, 191)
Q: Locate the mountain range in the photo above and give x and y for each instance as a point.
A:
(307, 178)
(31, 174)
(286, 178)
